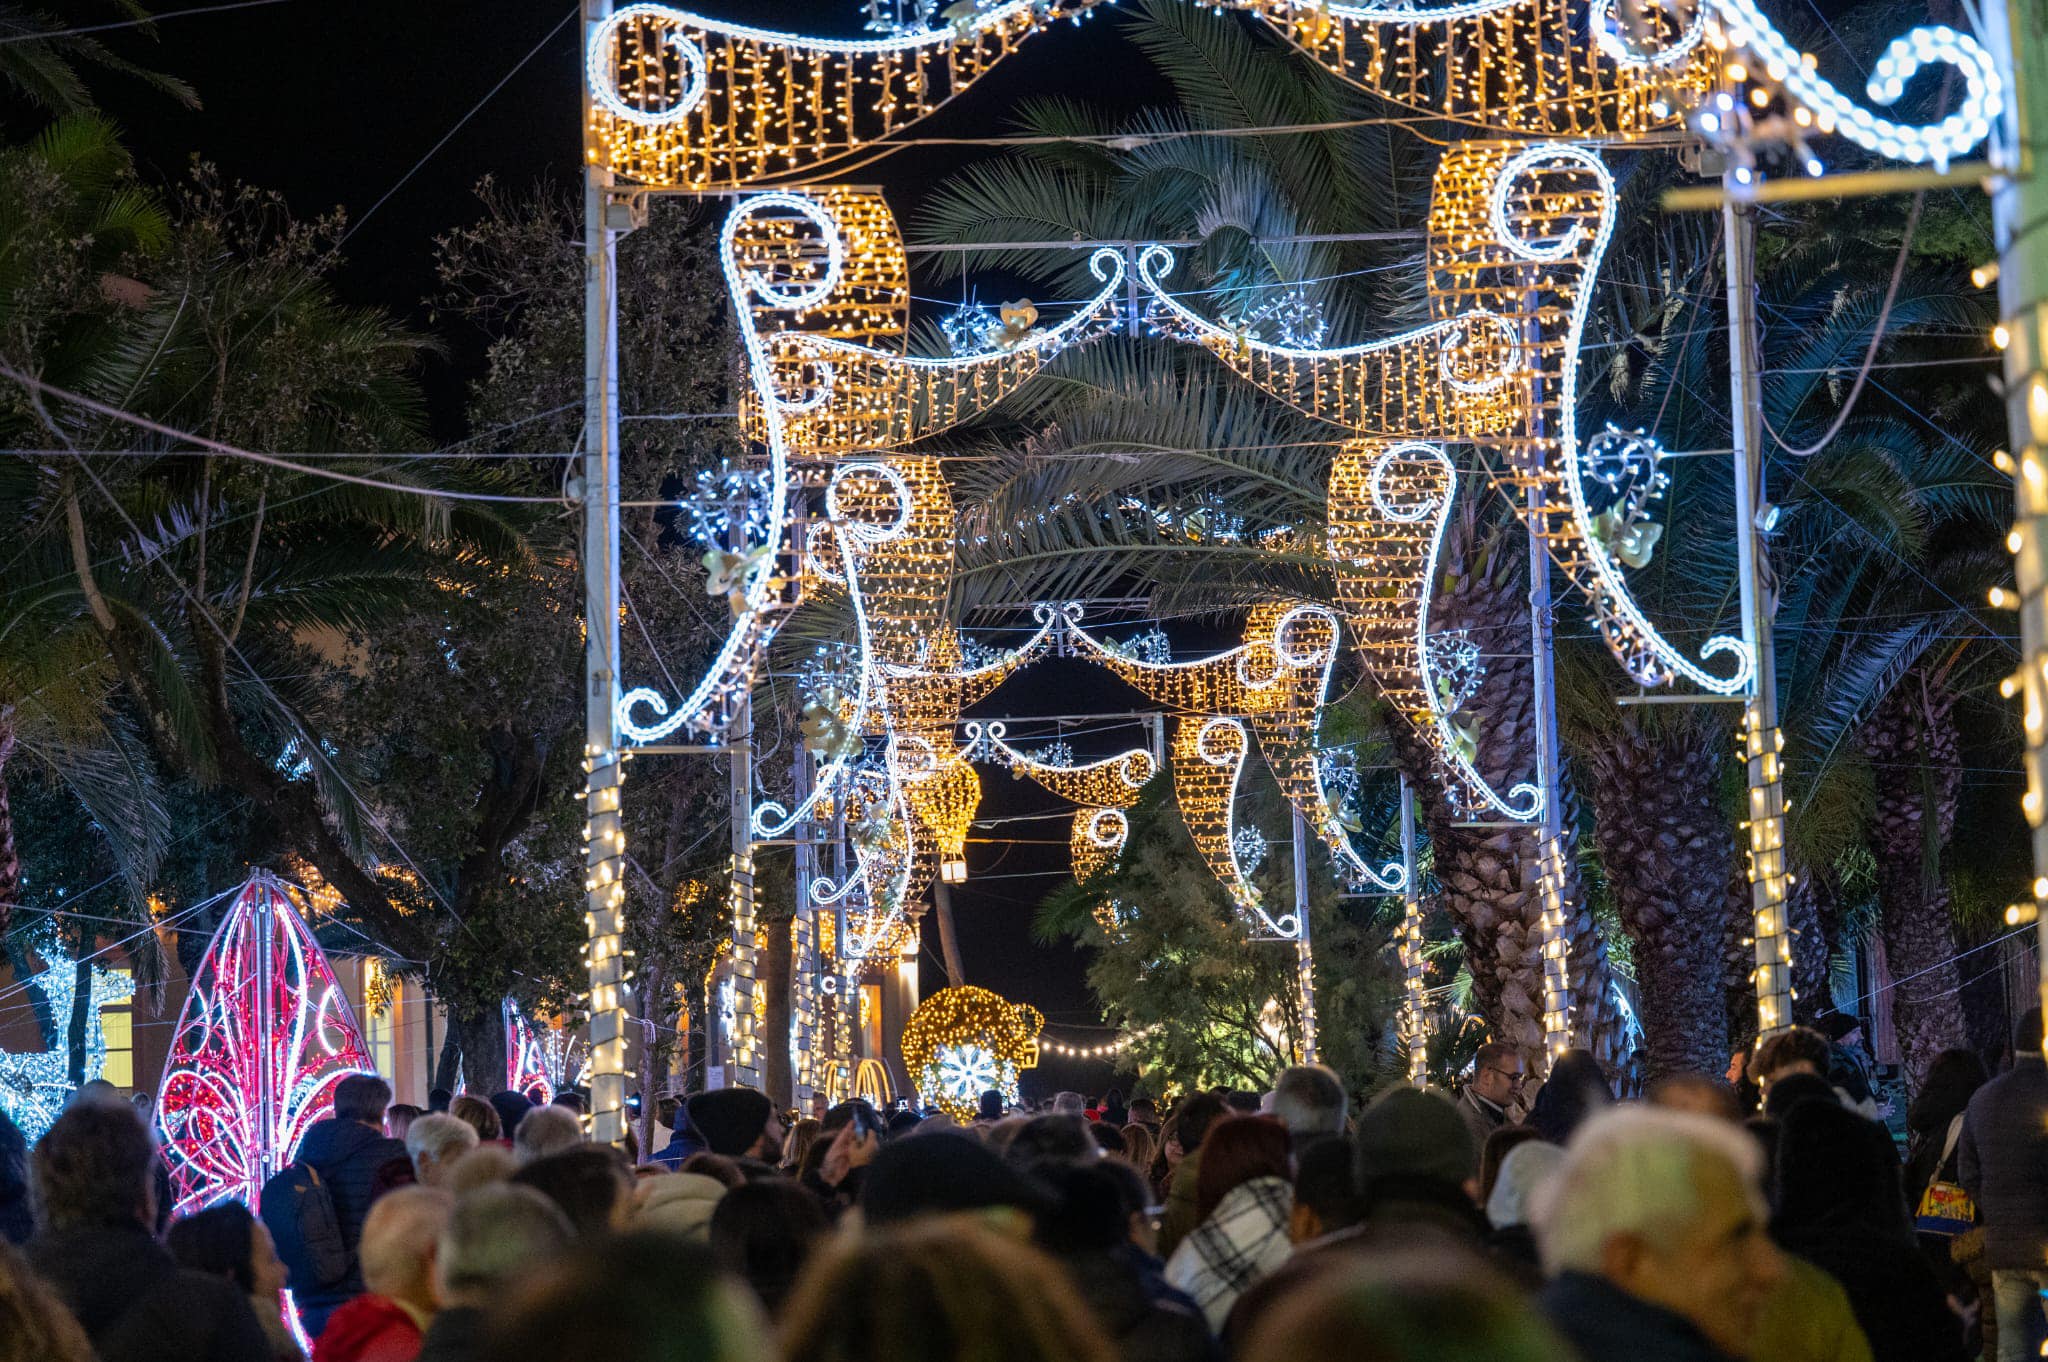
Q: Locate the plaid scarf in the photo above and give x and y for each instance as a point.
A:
(1243, 1239)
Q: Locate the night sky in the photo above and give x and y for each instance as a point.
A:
(331, 103)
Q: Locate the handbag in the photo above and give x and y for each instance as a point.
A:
(1946, 1209)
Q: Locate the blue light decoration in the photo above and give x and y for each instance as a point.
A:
(33, 1086)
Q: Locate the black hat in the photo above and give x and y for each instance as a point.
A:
(941, 1172)
(730, 1119)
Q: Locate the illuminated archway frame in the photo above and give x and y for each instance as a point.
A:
(671, 108)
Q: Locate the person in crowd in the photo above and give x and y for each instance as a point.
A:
(902, 1123)
(17, 1219)
(1325, 1190)
(34, 1325)
(1742, 1078)
(96, 1204)
(938, 1291)
(511, 1108)
(1094, 1223)
(1141, 1147)
(438, 1099)
(1053, 1138)
(1498, 1072)
(1243, 1201)
(1654, 1233)
(1848, 1067)
(764, 1233)
(574, 1102)
(803, 1133)
(1575, 1090)
(1503, 1139)
(1512, 1243)
(1787, 1090)
(1786, 1051)
(636, 1296)
(388, 1322)
(435, 1141)
(989, 1108)
(480, 1115)
(398, 1118)
(480, 1167)
(1934, 1119)
(720, 1169)
(1113, 1109)
(1696, 1093)
(738, 1123)
(2004, 1166)
(681, 1203)
(1309, 1099)
(683, 1141)
(1392, 1305)
(226, 1241)
(1838, 1205)
(495, 1236)
(1145, 1112)
(589, 1184)
(346, 1150)
(941, 1174)
(1069, 1104)
(1413, 1163)
(1108, 1139)
(1191, 1121)
(544, 1131)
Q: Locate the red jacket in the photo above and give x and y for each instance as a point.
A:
(368, 1329)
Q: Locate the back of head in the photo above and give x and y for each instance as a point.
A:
(1636, 1171)
(938, 1291)
(938, 1174)
(399, 1235)
(1696, 1093)
(1089, 1207)
(1309, 1100)
(571, 1100)
(479, 1115)
(1053, 1138)
(647, 1297)
(1195, 1116)
(588, 1183)
(990, 1107)
(1952, 1080)
(1431, 1305)
(481, 1167)
(217, 1241)
(97, 1090)
(1237, 1150)
(1784, 1050)
(34, 1325)
(546, 1130)
(1108, 1139)
(1324, 1183)
(1523, 1172)
(91, 1169)
(362, 1097)
(1412, 1135)
(2026, 1037)
(731, 1120)
(439, 1136)
(1069, 1104)
(495, 1235)
(1836, 1169)
(1498, 1142)
(511, 1108)
(438, 1099)
(1793, 1088)
(764, 1233)
(1575, 1089)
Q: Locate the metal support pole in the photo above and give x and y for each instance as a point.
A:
(742, 1048)
(263, 910)
(604, 854)
(1304, 957)
(806, 1063)
(1761, 739)
(1413, 1024)
(2020, 218)
(1549, 859)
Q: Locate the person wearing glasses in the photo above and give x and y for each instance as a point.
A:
(1497, 1074)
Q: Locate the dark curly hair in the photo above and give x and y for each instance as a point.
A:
(93, 1168)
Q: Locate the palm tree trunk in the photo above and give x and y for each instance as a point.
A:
(1808, 911)
(949, 936)
(10, 856)
(1912, 740)
(773, 974)
(79, 1024)
(1666, 848)
(483, 1049)
(653, 993)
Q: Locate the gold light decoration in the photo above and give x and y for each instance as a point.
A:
(962, 1042)
(1112, 783)
(945, 799)
(686, 102)
(1208, 758)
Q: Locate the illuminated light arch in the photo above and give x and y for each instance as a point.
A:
(961, 1042)
(551, 1058)
(265, 1016)
(677, 97)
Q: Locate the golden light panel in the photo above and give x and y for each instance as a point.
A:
(962, 1042)
(681, 101)
(1208, 759)
(1096, 840)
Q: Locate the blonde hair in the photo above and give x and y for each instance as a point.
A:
(34, 1325)
(1140, 1148)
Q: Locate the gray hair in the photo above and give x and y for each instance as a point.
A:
(1310, 1100)
(496, 1234)
(544, 1131)
(1069, 1104)
(437, 1133)
(399, 1234)
(1635, 1170)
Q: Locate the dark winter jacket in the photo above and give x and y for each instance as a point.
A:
(137, 1305)
(456, 1335)
(346, 1155)
(1146, 1319)
(1606, 1324)
(2004, 1164)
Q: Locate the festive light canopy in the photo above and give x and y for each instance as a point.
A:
(962, 1042)
(263, 1039)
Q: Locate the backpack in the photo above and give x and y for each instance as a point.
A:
(298, 1209)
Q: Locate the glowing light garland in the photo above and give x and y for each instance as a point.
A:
(263, 1039)
(552, 1059)
(962, 1042)
(33, 1085)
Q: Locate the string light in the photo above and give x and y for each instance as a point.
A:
(34, 1084)
(962, 1042)
(549, 1058)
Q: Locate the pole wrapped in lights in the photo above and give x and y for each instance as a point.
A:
(962, 1042)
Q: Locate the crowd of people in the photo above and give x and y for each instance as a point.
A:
(1544, 1224)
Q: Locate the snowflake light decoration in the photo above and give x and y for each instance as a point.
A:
(1456, 666)
(33, 1086)
(1295, 318)
(1250, 845)
(965, 1072)
(970, 329)
(962, 1042)
(264, 1038)
(726, 498)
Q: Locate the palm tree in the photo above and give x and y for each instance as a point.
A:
(40, 57)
